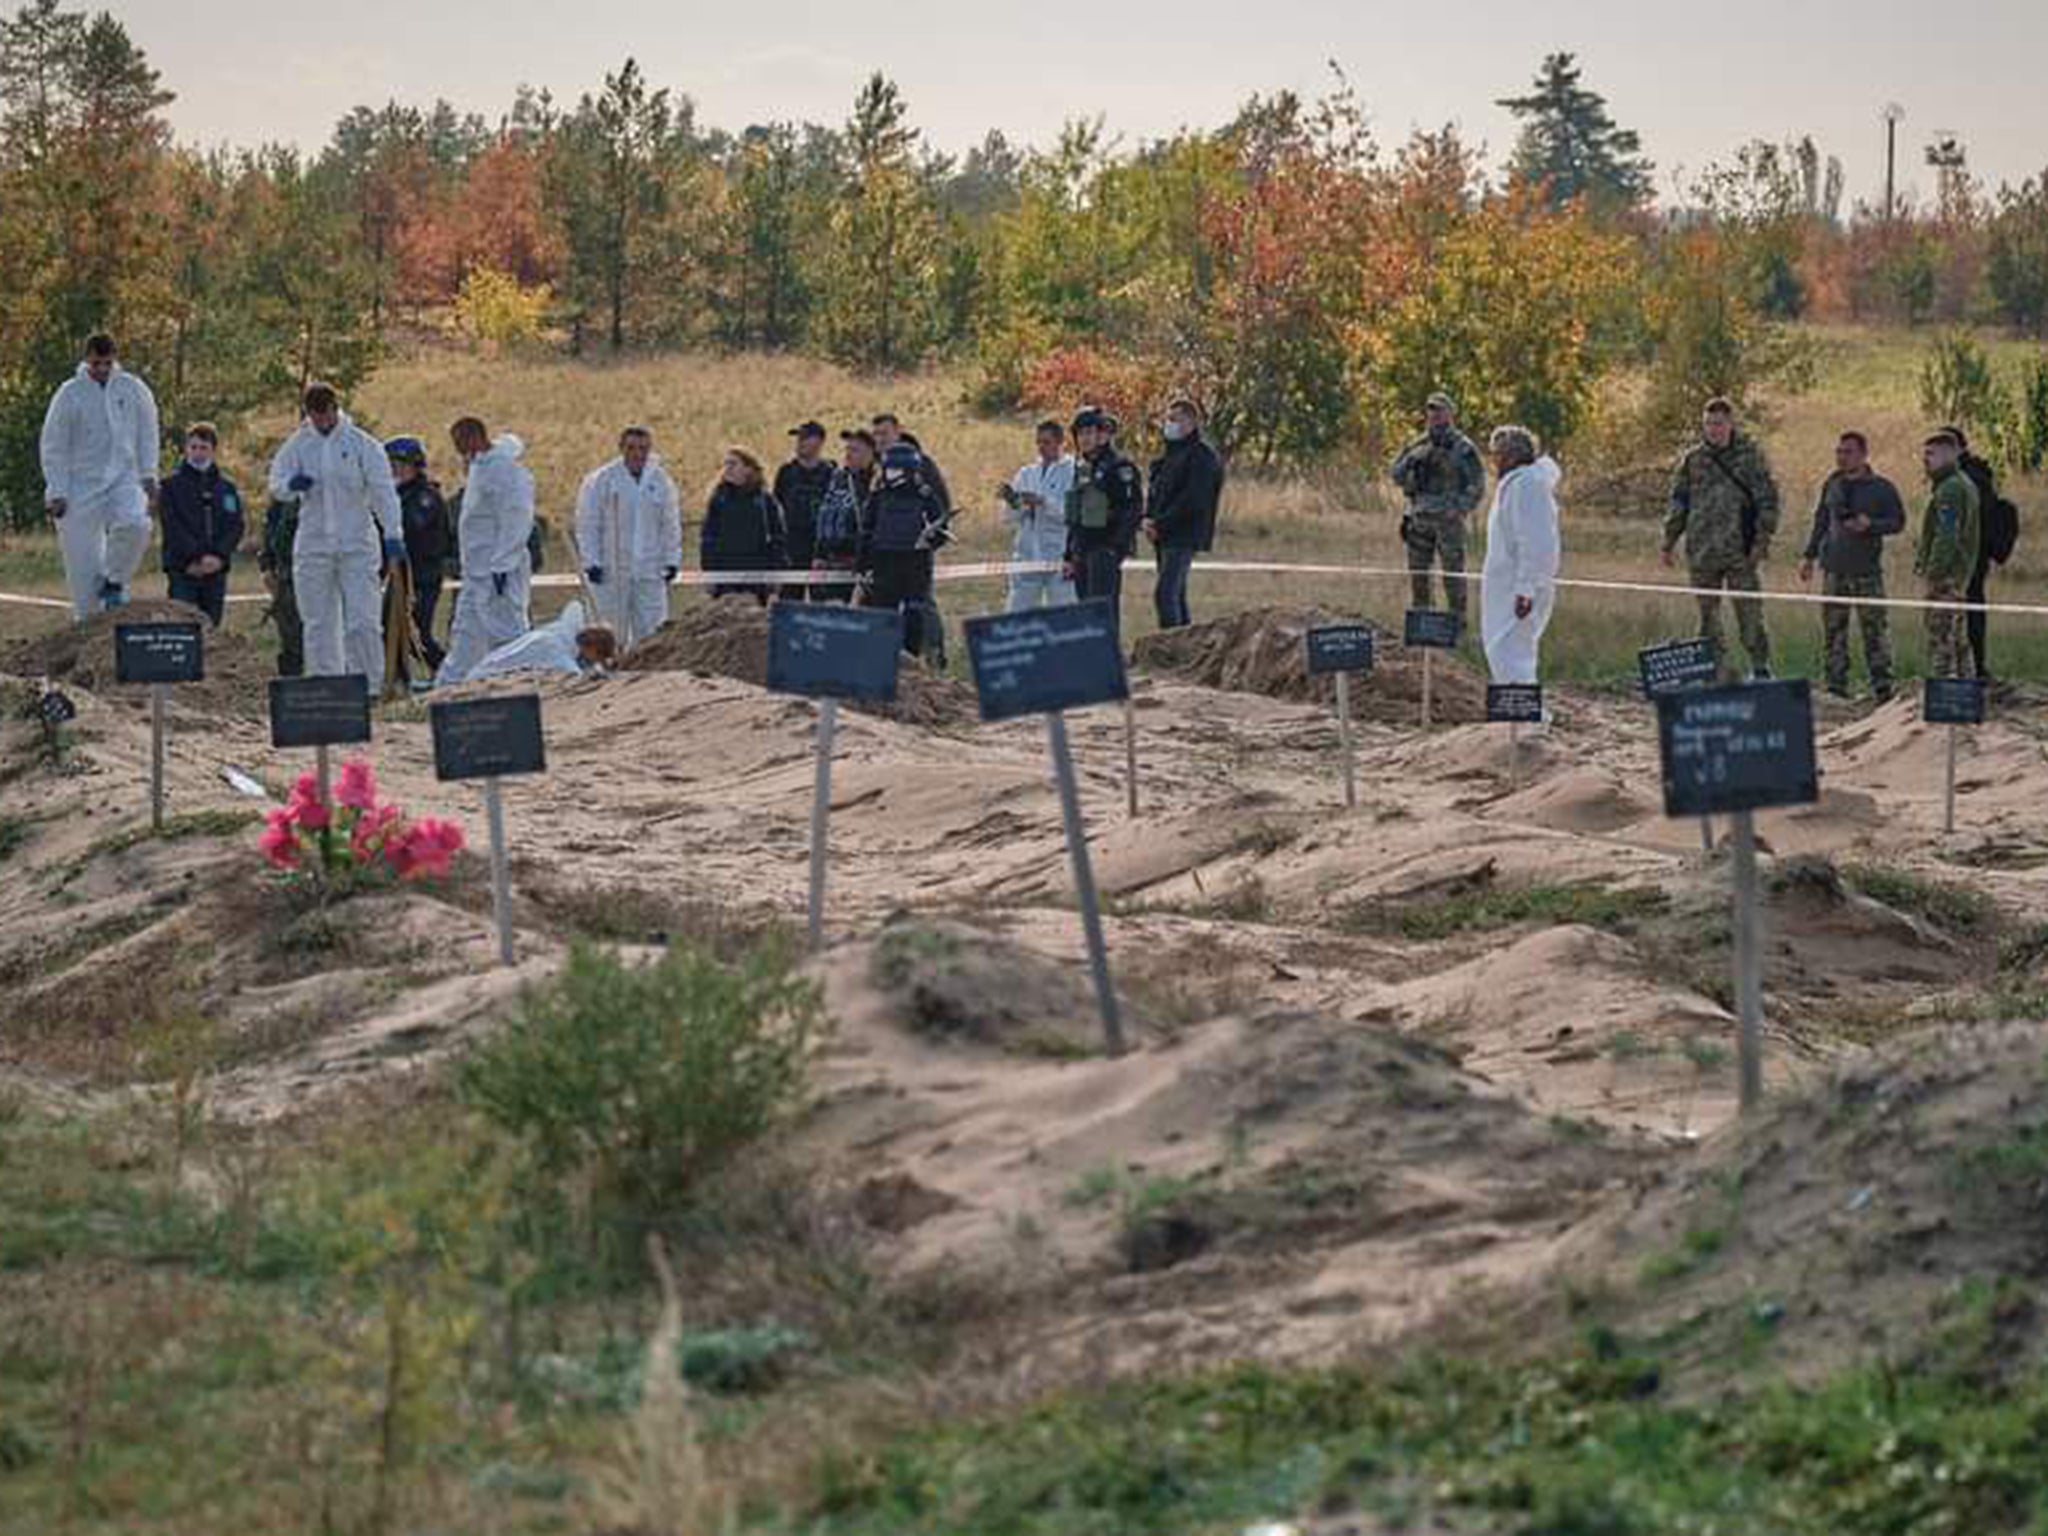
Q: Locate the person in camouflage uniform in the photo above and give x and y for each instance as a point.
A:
(1444, 480)
(1859, 509)
(1724, 505)
(280, 530)
(1951, 532)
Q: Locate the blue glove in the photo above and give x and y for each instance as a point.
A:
(499, 581)
(301, 483)
(595, 573)
(670, 572)
(394, 551)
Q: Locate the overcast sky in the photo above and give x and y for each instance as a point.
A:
(1695, 77)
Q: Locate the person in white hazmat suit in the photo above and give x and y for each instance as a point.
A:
(629, 535)
(99, 448)
(497, 574)
(562, 645)
(1523, 549)
(349, 526)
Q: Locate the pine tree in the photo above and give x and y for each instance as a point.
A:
(1570, 147)
(880, 269)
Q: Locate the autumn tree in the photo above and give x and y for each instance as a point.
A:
(2017, 263)
(605, 184)
(878, 268)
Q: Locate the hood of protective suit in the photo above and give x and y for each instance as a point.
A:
(1546, 471)
(507, 444)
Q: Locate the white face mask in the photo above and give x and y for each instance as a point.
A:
(200, 460)
(1173, 431)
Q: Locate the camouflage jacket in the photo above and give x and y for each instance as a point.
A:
(1950, 532)
(1443, 480)
(1724, 503)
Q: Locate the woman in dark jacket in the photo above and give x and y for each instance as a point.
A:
(743, 526)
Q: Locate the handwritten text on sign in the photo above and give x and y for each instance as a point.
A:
(1430, 629)
(490, 738)
(1737, 748)
(1046, 660)
(1678, 665)
(159, 653)
(1339, 648)
(319, 711)
(1514, 703)
(1953, 701)
(828, 650)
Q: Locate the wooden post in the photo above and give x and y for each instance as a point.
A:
(1084, 881)
(322, 775)
(1514, 756)
(501, 872)
(1707, 833)
(1428, 657)
(821, 816)
(1749, 963)
(1344, 740)
(1948, 819)
(158, 692)
(1131, 756)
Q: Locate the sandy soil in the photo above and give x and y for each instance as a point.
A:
(1346, 1117)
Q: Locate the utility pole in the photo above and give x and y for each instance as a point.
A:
(1894, 114)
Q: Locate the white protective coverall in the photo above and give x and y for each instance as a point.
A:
(100, 444)
(549, 647)
(497, 519)
(632, 532)
(1041, 533)
(345, 516)
(1523, 550)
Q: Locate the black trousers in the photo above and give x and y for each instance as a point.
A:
(209, 594)
(1099, 576)
(1976, 621)
(426, 600)
(902, 579)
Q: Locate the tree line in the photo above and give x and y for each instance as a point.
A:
(1309, 283)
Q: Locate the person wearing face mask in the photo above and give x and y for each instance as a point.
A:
(99, 453)
(1443, 479)
(629, 530)
(1183, 489)
(842, 515)
(1105, 507)
(349, 525)
(494, 532)
(202, 525)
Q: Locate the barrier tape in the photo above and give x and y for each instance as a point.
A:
(989, 569)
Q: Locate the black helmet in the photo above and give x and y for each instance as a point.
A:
(1094, 416)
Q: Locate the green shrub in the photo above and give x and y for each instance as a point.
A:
(643, 1080)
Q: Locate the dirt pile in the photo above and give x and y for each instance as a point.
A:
(82, 656)
(1865, 1218)
(1261, 651)
(729, 638)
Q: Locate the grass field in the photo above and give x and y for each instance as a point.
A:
(569, 413)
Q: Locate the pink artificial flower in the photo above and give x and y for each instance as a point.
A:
(357, 786)
(373, 831)
(427, 848)
(279, 842)
(304, 806)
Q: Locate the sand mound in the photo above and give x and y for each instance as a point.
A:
(729, 638)
(82, 656)
(1843, 1224)
(1260, 651)
(1583, 800)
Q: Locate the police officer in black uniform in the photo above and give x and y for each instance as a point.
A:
(1104, 510)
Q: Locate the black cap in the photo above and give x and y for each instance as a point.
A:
(1094, 416)
(858, 435)
(808, 429)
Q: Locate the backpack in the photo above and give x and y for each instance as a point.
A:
(2001, 529)
(836, 527)
(898, 516)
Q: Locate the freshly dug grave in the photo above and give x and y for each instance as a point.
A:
(1261, 651)
(729, 638)
(1861, 1220)
(82, 656)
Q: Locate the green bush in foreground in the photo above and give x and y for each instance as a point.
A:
(639, 1081)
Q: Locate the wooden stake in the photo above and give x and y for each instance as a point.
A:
(821, 816)
(501, 870)
(1344, 740)
(1749, 963)
(1084, 881)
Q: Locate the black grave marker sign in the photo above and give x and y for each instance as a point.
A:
(1430, 629)
(319, 711)
(1339, 648)
(833, 651)
(1675, 666)
(1046, 660)
(1953, 701)
(1737, 748)
(159, 653)
(1514, 703)
(488, 738)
